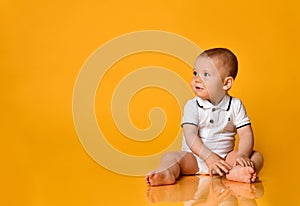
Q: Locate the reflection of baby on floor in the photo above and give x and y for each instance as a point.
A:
(203, 190)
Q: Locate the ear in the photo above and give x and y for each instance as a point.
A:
(228, 82)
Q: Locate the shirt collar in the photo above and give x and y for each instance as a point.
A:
(224, 104)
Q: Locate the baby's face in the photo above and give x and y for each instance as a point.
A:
(207, 82)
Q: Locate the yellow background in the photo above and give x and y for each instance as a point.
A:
(45, 43)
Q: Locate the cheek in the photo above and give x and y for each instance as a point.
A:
(215, 84)
(211, 87)
(192, 82)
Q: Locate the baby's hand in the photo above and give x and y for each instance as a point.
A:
(214, 162)
(244, 161)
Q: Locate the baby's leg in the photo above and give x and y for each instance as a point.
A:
(172, 164)
(257, 160)
(244, 174)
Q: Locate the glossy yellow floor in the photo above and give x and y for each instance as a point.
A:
(55, 175)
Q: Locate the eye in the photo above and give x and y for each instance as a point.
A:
(205, 74)
(195, 73)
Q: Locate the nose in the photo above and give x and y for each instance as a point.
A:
(198, 79)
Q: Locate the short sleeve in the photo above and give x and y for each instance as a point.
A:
(241, 117)
(190, 113)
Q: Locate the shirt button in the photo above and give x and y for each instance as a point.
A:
(213, 109)
(211, 121)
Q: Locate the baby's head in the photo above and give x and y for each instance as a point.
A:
(214, 73)
(224, 60)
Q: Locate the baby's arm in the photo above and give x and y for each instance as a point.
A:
(213, 161)
(245, 146)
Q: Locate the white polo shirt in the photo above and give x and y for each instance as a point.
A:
(217, 124)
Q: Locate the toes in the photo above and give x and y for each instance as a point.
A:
(253, 179)
(250, 170)
(148, 181)
(252, 174)
(148, 178)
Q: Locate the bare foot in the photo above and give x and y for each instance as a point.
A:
(242, 174)
(160, 178)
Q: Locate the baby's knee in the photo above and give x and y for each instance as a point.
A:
(258, 155)
(171, 155)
